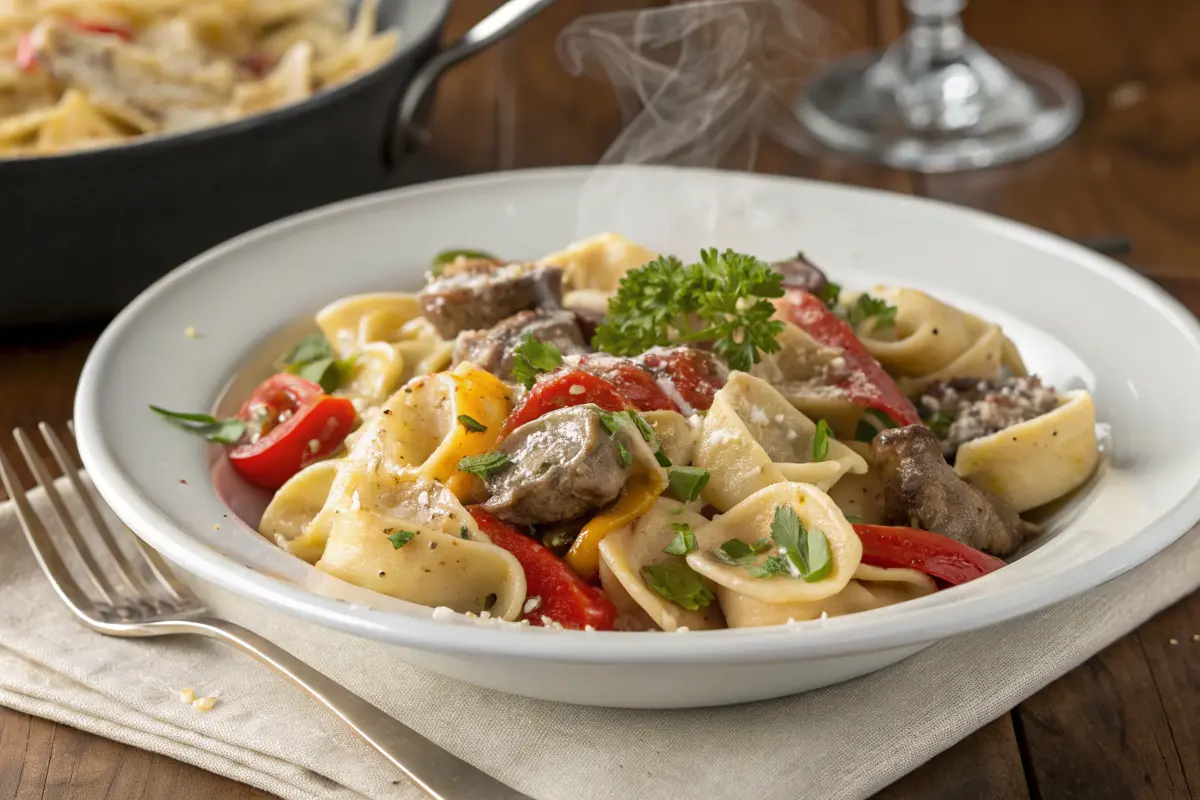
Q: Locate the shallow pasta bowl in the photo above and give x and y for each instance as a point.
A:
(1080, 320)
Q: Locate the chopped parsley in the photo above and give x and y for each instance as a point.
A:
(678, 583)
(737, 553)
(450, 256)
(821, 441)
(623, 451)
(650, 437)
(871, 308)
(871, 423)
(724, 298)
(464, 532)
(531, 358)
(829, 294)
(687, 482)
(313, 359)
(939, 422)
(802, 554)
(684, 541)
(399, 538)
(485, 465)
(221, 431)
(471, 424)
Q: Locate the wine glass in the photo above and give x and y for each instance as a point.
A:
(935, 101)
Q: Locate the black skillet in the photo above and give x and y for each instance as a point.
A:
(82, 233)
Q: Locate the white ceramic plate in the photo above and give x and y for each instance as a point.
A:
(1078, 318)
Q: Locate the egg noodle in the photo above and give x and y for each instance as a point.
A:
(91, 73)
(477, 448)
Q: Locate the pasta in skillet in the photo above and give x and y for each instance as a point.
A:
(610, 439)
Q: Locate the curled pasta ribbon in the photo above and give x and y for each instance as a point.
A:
(624, 553)
(416, 435)
(388, 340)
(871, 588)
(597, 264)
(933, 341)
(1029, 464)
(753, 437)
(411, 539)
(751, 519)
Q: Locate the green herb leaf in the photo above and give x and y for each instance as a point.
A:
(464, 532)
(818, 556)
(775, 565)
(649, 436)
(610, 423)
(313, 359)
(623, 451)
(531, 358)
(737, 553)
(723, 298)
(871, 423)
(678, 583)
(829, 294)
(873, 308)
(449, 256)
(804, 554)
(786, 528)
(221, 431)
(939, 423)
(684, 541)
(472, 424)
(485, 465)
(399, 538)
(821, 441)
(687, 482)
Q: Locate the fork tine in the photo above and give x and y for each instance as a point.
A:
(38, 467)
(67, 464)
(67, 461)
(44, 549)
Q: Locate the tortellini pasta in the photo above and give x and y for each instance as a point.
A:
(753, 437)
(598, 263)
(387, 341)
(932, 341)
(1034, 462)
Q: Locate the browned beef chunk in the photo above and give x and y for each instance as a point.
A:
(800, 273)
(563, 464)
(477, 294)
(922, 491)
(492, 349)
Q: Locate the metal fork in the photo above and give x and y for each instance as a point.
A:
(136, 605)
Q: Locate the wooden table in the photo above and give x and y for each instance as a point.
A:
(1124, 725)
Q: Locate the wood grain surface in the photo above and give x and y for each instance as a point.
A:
(1124, 725)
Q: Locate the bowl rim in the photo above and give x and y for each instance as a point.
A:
(140, 145)
(924, 620)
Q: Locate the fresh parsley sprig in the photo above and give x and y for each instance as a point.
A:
(724, 298)
(679, 584)
(875, 309)
(531, 358)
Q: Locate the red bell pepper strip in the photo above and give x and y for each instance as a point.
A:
(565, 598)
(697, 375)
(937, 556)
(294, 423)
(562, 389)
(634, 382)
(866, 383)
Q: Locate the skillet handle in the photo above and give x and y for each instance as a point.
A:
(495, 26)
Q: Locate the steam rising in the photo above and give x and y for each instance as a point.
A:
(699, 84)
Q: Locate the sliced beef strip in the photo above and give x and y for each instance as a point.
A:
(922, 491)
(480, 293)
(964, 409)
(564, 463)
(492, 349)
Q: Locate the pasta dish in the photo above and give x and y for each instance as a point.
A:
(76, 74)
(610, 438)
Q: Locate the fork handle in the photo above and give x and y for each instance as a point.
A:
(442, 775)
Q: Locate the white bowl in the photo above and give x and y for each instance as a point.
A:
(1078, 318)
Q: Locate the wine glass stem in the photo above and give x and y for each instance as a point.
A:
(935, 33)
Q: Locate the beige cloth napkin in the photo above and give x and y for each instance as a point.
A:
(845, 741)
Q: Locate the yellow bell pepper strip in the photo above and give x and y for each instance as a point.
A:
(640, 494)
(478, 399)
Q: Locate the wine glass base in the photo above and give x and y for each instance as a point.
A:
(847, 110)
